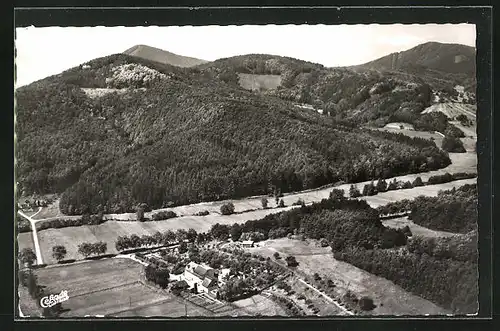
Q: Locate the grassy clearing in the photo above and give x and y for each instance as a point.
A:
(257, 82)
(395, 300)
(416, 229)
(99, 287)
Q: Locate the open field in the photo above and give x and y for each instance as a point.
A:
(416, 229)
(99, 287)
(395, 300)
(257, 82)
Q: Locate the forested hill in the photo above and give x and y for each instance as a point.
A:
(162, 56)
(358, 95)
(120, 130)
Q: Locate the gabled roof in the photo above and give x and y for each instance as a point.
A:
(208, 282)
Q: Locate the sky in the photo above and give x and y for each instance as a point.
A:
(42, 52)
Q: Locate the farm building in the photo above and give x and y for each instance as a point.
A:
(247, 243)
(202, 278)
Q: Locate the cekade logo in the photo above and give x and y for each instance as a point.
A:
(53, 300)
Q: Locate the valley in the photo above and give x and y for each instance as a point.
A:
(154, 184)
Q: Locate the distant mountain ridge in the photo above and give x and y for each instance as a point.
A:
(162, 56)
(449, 58)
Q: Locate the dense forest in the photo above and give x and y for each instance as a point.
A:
(178, 136)
(442, 277)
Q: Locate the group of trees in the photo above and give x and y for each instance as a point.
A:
(59, 252)
(163, 215)
(27, 256)
(157, 274)
(29, 280)
(452, 210)
(227, 208)
(447, 177)
(88, 249)
(111, 152)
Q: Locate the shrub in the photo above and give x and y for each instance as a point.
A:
(163, 215)
(227, 209)
(264, 202)
(202, 213)
(366, 303)
(418, 182)
(453, 145)
(354, 191)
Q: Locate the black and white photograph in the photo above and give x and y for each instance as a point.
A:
(246, 171)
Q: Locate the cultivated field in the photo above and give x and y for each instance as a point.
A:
(416, 229)
(104, 287)
(257, 82)
(394, 300)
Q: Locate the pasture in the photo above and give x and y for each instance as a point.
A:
(313, 259)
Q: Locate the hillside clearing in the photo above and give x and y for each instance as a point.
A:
(416, 230)
(259, 82)
(452, 110)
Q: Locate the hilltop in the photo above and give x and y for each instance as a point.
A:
(449, 58)
(121, 130)
(162, 56)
